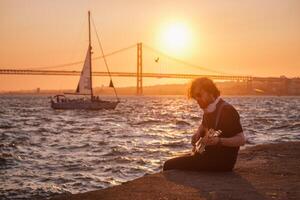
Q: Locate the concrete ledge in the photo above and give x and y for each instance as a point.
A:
(262, 172)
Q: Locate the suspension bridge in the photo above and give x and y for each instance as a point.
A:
(139, 74)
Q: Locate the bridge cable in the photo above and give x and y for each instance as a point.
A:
(80, 62)
(184, 62)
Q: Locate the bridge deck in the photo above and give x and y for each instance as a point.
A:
(123, 74)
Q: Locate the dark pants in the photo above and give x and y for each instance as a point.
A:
(196, 162)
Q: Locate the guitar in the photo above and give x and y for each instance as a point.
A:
(202, 142)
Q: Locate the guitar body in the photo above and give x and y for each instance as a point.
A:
(201, 143)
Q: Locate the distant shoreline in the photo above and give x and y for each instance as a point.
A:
(148, 95)
(124, 95)
(226, 88)
(133, 94)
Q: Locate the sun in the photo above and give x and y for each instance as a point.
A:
(175, 38)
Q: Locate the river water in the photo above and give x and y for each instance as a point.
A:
(45, 152)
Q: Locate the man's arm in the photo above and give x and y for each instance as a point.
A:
(235, 141)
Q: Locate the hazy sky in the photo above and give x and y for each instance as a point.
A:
(243, 37)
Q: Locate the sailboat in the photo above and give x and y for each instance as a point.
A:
(85, 88)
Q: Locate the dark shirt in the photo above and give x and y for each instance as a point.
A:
(229, 124)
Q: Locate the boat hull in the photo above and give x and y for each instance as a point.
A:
(84, 105)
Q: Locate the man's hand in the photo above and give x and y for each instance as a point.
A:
(197, 135)
(195, 138)
(213, 141)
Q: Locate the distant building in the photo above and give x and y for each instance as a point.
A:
(294, 86)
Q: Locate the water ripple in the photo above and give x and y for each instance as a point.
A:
(45, 152)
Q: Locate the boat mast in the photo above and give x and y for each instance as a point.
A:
(90, 53)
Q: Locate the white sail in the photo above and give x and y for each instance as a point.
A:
(84, 85)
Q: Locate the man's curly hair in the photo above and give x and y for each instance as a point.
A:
(205, 84)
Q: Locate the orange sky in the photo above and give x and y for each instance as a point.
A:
(247, 37)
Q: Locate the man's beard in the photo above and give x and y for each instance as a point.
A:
(204, 105)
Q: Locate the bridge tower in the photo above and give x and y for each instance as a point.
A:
(139, 71)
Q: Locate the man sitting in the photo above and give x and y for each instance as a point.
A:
(220, 152)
